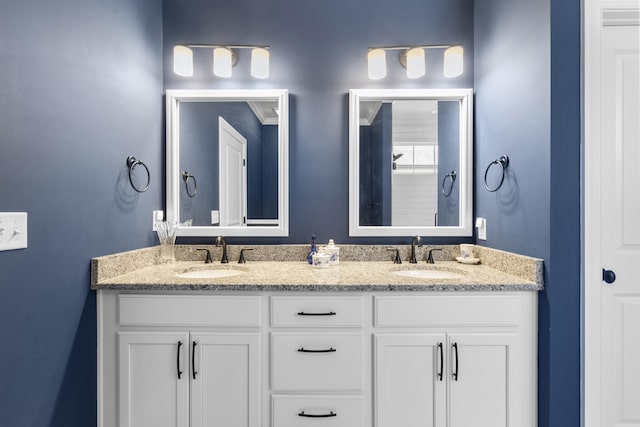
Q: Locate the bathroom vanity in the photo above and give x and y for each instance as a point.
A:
(282, 344)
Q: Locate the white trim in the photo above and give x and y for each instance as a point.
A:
(465, 96)
(617, 16)
(366, 121)
(270, 222)
(173, 99)
(259, 112)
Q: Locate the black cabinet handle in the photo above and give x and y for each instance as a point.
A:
(330, 414)
(193, 359)
(441, 361)
(329, 350)
(302, 313)
(178, 360)
(455, 373)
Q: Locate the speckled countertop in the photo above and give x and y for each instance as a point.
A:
(282, 268)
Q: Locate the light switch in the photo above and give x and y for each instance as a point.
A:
(481, 225)
(157, 216)
(13, 230)
(215, 217)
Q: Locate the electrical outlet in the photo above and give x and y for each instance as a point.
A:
(215, 217)
(157, 216)
(13, 230)
(481, 225)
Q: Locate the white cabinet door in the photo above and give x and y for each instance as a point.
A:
(479, 380)
(153, 379)
(225, 380)
(410, 378)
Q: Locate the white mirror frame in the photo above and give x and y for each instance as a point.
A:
(173, 99)
(465, 96)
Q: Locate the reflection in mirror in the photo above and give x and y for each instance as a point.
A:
(410, 162)
(226, 162)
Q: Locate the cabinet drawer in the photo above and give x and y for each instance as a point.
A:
(294, 411)
(316, 362)
(447, 310)
(316, 311)
(193, 310)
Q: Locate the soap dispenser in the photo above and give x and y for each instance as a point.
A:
(313, 250)
(333, 251)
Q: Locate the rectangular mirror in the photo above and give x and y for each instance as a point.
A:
(227, 162)
(410, 162)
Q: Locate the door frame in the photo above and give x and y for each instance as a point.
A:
(591, 197)
(225, 127)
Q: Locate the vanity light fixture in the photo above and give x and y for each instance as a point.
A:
(224, 58)
(183, 61)
(377, 64)
(453, 61)
(413, 58)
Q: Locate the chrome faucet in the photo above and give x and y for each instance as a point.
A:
(220, 241)
(415, 241)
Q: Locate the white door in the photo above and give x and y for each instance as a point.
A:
(233, 175)
(410, 378)
(482, 391)
(153, 379)
(612, 193)
(225, 380)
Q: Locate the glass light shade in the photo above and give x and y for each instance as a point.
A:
(260, 63)
(183, 61)
(222, 62)
(453, 61)
(377, 64)
(416, 63)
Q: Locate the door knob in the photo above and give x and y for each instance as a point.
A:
(608, 276)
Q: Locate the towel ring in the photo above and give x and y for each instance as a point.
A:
(503, 161)
(186, 176)
(132, 162)
(453, 176)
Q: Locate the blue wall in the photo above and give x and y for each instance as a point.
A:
(80, 90)
(448, 161)
(527, 83)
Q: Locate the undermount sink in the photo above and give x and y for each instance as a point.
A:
(422, 273)
(209, 273)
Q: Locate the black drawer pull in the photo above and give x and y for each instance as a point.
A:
(330, 414)
(178, 360)
(302, 313)
(193, 360)
(441, 361)
(329, 350)
(455, 373)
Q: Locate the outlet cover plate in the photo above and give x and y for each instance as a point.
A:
(13, 230)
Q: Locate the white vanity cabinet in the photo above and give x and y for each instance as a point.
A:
(311, 358)
(179, 361)
(455, 360)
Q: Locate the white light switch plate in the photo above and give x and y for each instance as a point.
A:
(13, 230)
(215, 217)
(157, 216)
(481, 225)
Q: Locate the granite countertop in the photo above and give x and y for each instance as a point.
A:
(140, 270)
